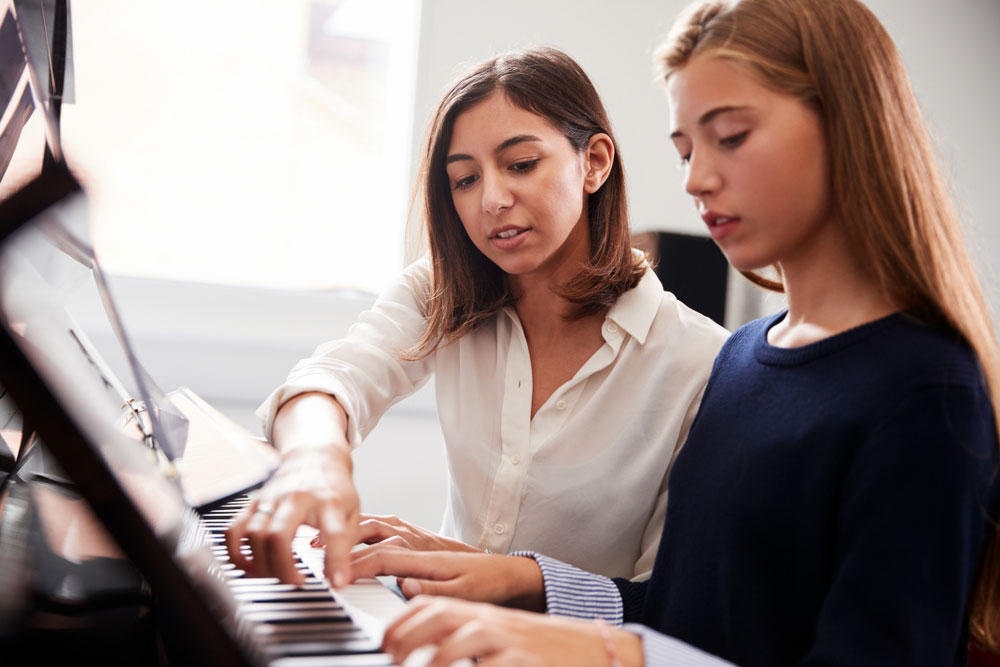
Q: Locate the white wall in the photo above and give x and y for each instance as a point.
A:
(951, 50)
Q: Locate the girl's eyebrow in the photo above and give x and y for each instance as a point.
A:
(513, 141)
(707, 117)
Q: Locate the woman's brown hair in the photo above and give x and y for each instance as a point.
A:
(466, 287)
(836, 57)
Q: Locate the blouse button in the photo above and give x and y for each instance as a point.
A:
(560, 405)
(515, 459)
(612, 328)
(498, 529)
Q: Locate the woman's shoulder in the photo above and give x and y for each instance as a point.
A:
(411, 285)
(670, 312)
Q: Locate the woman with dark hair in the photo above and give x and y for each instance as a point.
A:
(836, 500)
(563, 370)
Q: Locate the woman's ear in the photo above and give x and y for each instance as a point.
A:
(598, 158)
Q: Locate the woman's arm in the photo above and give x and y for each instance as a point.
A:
(313, 485)
(329, 402)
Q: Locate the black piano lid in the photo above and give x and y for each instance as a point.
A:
(65, 397)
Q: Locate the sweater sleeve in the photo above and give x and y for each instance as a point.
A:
(633, 596)
(916, 506)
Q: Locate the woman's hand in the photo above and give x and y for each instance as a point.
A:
(496, 636)
(391, 531)
(310, 489)
(509, 580)
(312, 486)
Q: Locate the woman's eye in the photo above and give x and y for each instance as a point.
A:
(685, 159)
(734, 140)
(466, 182)
(524, 166)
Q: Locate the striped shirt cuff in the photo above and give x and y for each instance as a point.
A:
(572, 592)
(660, 649)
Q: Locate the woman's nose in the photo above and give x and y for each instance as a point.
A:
(496, 195)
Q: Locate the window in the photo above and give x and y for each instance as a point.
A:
(244, 142)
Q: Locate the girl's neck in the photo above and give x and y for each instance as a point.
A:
(828, 293)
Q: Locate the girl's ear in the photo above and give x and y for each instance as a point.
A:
(598, 158)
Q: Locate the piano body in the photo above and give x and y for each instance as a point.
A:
(102, 553)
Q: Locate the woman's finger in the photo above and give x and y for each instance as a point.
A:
(388, 519)
(339, 534)
(278, 534)
(372, 531)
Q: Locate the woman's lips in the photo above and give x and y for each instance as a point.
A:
(509, 237)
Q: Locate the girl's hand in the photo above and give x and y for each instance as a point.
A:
(497, 636)
(508, 580)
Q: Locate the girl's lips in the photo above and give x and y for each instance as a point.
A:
(719, 225)
(722, 227)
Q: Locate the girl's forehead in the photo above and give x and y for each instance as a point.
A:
(708, 82)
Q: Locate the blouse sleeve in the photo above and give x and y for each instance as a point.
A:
(364, 371)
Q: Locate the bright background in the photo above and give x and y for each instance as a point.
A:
(250, 163)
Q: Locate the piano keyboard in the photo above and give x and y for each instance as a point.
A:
(309, 625)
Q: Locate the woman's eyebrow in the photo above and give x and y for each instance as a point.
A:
(707, 117)
(513, 141)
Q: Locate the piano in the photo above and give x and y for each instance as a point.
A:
(108, 549)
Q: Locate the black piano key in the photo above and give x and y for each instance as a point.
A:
(283, 596)
(298, 626)
(321, 647)
(311, 605)
(361, 660)
(296, 616)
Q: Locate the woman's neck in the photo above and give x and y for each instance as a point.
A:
(542, 310)
(828, 293)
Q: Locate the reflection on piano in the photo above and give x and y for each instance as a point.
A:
(165, 592)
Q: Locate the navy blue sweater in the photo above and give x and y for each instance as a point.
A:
(830, 504)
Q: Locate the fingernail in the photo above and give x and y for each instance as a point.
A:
(411, 588)
(339, 580)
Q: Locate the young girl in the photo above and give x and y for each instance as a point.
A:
(835, 501)
(564, 372)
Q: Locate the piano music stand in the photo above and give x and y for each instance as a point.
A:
(77, 442)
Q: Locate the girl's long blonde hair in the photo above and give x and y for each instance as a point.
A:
(836, 57)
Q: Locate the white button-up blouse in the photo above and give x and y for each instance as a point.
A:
(585, 480)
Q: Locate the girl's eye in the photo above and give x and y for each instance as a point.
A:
(524, 166)
(734, 140)
(465, 183)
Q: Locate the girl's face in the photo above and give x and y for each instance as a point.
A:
(755, 161)
(520, 188)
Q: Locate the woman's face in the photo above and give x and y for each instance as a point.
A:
(755, 161)
(520, 189)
